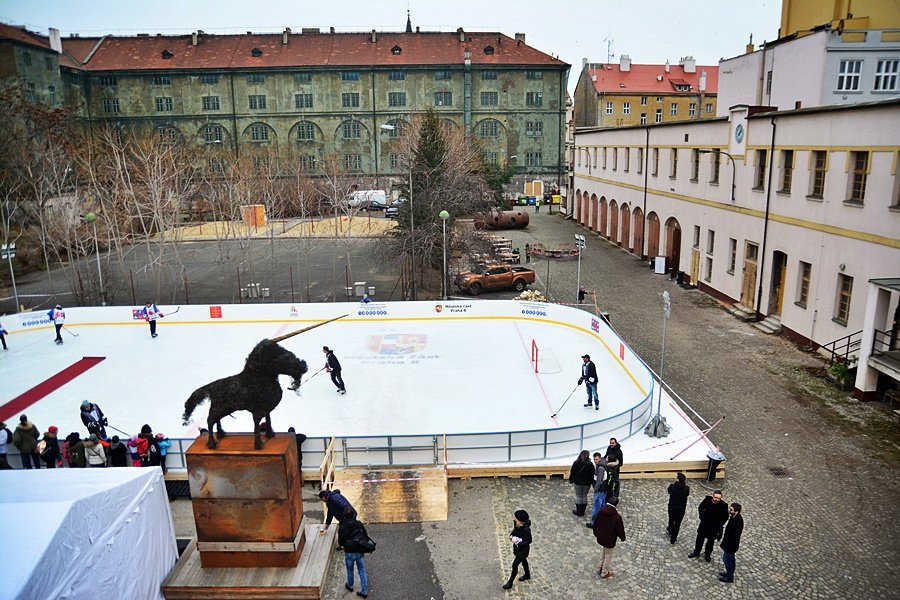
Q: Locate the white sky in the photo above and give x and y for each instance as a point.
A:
(650, 31)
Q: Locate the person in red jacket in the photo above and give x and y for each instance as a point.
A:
(608, 527)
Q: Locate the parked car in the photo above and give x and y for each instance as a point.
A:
(495, 277)
(393, 210)
(373, 205)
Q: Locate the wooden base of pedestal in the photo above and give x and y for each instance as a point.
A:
(190, 581)
(217, 555)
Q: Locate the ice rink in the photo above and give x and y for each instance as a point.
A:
(410, 368)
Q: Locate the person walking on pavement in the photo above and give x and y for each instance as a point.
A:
(520, 536)
(601, 487)
(150, 313)
(731, 539)
(537, 205)
(333, 366)
(615, 459)
(581, 294)
(713, 515)
(57, 316)
(25, 438)
(527, 252)
(607, 529)
(582, 477)
(678, 496)
(350, 532)
(589, 378)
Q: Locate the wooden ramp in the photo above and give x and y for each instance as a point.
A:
(395, 496)
(189, 581)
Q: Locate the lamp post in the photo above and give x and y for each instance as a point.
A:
(733, 168)
(444, 215)
(412, 213)
(8, 252)
(579, 241)
(92, 219)
(657, 426)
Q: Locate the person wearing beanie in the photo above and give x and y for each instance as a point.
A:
(520, 536)
(118, 453)
(25, 440)
(148, 448)
(73, 450)
(57, 316)
(93, 450)
(51, 454)
(94, 419)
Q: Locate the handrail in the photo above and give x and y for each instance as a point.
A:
(326, 468)
(882, 339)
(842, 349)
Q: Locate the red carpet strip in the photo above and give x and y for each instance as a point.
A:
(46, 387)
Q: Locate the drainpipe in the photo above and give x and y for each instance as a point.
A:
(762, 260)
(234, 131)
(645, 165)
(375, 129)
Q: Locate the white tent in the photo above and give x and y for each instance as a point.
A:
(85, 533)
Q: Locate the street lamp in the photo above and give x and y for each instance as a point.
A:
(444, 215)
(412, 213)
(579, 241)
(657, 426)
(92, 219)
(733, 168)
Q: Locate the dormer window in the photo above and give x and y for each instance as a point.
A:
(167, 55)
(256, 52)
(396, 50)
(488, 50)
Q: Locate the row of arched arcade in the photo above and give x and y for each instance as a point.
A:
(624, 225)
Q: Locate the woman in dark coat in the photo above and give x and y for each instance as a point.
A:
(520, 537)
(53, 453)
(582, 477)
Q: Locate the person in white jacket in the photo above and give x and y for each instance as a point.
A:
(94, 452)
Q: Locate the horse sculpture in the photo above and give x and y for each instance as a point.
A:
(255, 389)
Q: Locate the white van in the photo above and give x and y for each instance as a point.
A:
(368, 200)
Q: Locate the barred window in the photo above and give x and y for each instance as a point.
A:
(534, 128)
(259, 133)
(303, 77)
(350, 130)
(256, 78)
(306, 131)
(397, 75)
(443, 98)
(303, 100)
(167, 135)
(209, 79)
(443, 75)
(210, 102)
(534, 74)
(110, 106)
(489, 75)
(212, 134)
(489, 98)
(109, 81)
(533, 159)
(353, 162)
(309, 162)
(534, 98)
(162, 80)
(257, 101)
(350, 100)
(349, 75)
(396, 98)
(490, 128)
(165, 104)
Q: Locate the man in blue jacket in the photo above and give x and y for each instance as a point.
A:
(335, 505)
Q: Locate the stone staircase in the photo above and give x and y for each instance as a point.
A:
(742, 312)
(770, 325)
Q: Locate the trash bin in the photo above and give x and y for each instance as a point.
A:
(359, 288)
(715, 459)
(679, 278)
(371, 291)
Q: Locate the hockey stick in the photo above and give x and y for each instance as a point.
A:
(299, 331)
(297, 389)
(564, 403)
(71, 332)
(174, 311)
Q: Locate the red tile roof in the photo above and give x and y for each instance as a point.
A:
(652, 79)
(79, 47)
(315, 50)
(22, 35)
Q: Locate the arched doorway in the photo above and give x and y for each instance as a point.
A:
(626, 227)
(604, 208)
(577, 210)
(653, 236)
(595, 204)
(673, 244)
(613, 221)
(585, 208)
(638, 218)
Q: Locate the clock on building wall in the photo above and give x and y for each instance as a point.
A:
(739, 133)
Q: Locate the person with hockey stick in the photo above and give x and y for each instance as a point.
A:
(333, 366)
(57, 316)
(150, 313)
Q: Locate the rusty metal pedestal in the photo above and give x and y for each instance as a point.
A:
(247, 502)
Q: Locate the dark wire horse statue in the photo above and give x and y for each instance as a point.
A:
(255, 389)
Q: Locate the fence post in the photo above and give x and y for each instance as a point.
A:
(344, 451)
(434, 441)
(390, 444)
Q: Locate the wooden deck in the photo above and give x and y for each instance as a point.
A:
(189, 581)
(395, 496)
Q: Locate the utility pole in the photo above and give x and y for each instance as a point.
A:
(579, 241)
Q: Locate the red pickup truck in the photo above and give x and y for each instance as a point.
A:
(494, 277)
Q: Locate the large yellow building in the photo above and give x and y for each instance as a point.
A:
(610, 95)
(798, 16)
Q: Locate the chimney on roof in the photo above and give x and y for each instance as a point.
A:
(194, 37)
(55, 40)
(624, 63)
(331, 30)
(461, 34)
(585, 62)
(285, 35)
(702, 81)
(417, 29)
(667, 65)
(749, 47)
(689, 64)
(520, 37)
(374, 37)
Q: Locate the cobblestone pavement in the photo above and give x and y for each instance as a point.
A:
(829, 530)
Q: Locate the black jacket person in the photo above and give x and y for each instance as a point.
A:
(713, 514)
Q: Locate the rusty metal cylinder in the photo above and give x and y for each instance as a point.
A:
(502, 219)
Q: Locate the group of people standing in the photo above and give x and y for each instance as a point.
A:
(144, 449)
